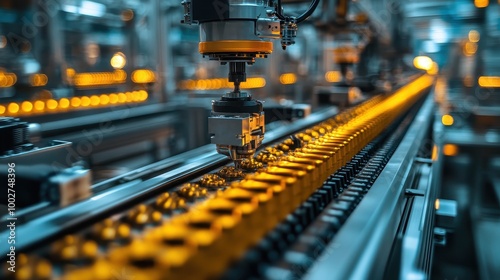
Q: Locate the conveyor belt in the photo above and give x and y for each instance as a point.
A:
(197, 230)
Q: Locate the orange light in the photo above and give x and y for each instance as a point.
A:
(26, 106)
(38, 80)
(13, 108)
(143, 95)
(94, 100)
(481, 3)
(447, 120)
(130, 96)
(2, 110)
(76, 102)
(474, 36)
(51, 104)
(470, 48)
(422, 62)
(288, 79)
(39, 105)
(143, 76)
(99, 78)
(85, 101)
(434, 69)
(436, 204)
(434, 153)
(104, 99)
(333, 76)
(64, 103)
(113, 98)
(7, 79)
(450, 150)
(122, 97)
(70, 72)
(489, 81)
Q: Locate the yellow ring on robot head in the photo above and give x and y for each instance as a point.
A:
(235, 46)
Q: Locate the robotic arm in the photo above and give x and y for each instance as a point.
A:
(236, 32)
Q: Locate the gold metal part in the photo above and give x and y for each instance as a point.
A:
(236, 46)
(191, 191)
(250, 164)
(230, 173)
(213, 181)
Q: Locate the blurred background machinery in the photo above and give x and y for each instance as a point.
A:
(376, 153)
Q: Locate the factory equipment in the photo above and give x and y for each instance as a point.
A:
(236, 33)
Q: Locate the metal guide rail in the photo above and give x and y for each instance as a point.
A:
(197, 230)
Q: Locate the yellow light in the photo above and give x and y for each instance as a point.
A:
(104, 99)
(288, 79)
(7, 79)
(474, 36)
(85, 101)
(70, 72)
(100, 78)
(39, 105)
(143, 76)
(2, 110)
(118, 61)
(447, 120)
(38, 80)
(26, 106)
(489, 81)
(333, 76)
(64, 103)
(481, 3)
(94, 100)
(450, 150)
(13, 108)
(470, 48)
(434, 153)
(434, 69)
(51, 104)
(422, 62)
(122, 97)
(76, 102)
(113, 98)
(436, 204)
(144, 95)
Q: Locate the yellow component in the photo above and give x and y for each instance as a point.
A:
(122, 97)
(7, 79)
(26, 106)
(333, 76)
(288, 79)
(434, 153)
(13, 108)
(38, 80)
(39, 105)
(236, 46)
(470, 48)
(118, 61)
(85, 101)
(447, 120)
(489, 81)
(481, 3)
(64, 103)
(113, 98)
(104, 99)
(434, 69)
(436, 204)
(99, 78)
(450, 150)
(51, 104)
(94, 100)
(143, 76)
(474, 36)
(76, 102)
(70, 72)
(2, 110)
(423, 63)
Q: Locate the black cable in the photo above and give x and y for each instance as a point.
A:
(300, 18)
